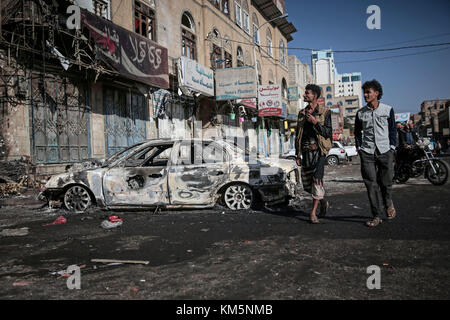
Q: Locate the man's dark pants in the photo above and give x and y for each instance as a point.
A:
(377, 172)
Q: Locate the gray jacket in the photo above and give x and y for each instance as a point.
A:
(375, 129)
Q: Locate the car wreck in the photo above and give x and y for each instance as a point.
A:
(175, 174)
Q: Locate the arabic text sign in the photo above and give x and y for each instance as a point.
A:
(251, 103)
(293, 93)
(196, 77)
(235, 83)
(132, 55)
(402, 117)
(269, 100)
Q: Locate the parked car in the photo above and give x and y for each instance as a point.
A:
(175, 174)
(336, 155)
(350, 150)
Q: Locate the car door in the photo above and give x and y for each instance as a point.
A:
(140, 179)
(200, 168)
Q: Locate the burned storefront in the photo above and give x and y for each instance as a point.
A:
(70, 92)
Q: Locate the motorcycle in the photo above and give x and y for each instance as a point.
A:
(420, 161)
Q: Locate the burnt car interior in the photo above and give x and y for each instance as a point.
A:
(153, 156)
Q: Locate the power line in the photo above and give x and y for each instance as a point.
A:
(407, 41)
(342, 51)
(396, 56)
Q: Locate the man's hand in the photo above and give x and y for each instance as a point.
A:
(311, 118)
(299, 161)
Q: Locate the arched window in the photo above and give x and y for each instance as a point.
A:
(240, 57)
(217, 61)
(282, 53)
(255, 28)
(269, 42)
(188, 47)
(329, 104)
(329, 96)
(328, 88)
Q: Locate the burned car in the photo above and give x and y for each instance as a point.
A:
(172, 174)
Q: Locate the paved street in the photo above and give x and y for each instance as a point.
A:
(219, 254)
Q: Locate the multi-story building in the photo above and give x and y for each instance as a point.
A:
(299, 77)
(349, 84)
(110, 78)
(432, 118)
(323, 67)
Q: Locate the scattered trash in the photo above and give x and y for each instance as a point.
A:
(21, 283)
(189, 251)
(15, 232)
(112, 222)
(63, 273)
(59, 220)
(120, 261)
(204, 230)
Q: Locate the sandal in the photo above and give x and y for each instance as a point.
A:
(323, 209)
(314, 220)
(391, 213)
(373, 223)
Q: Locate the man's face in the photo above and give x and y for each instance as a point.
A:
(411, 125)
(399, 125)
(309, 96)
(370, 95)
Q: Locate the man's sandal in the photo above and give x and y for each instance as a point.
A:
(323, 209)
(373, 223)
(391, 213)
(314, 220)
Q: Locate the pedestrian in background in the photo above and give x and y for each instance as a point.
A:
(375, 139)
(312, 144)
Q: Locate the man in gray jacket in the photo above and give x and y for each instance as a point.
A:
(376, 138)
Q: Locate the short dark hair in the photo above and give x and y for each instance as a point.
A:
(375, 85)
(315, 89)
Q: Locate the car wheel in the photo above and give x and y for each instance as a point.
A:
(292, 158)
(238, 197)
(332, 160)
(77, 199)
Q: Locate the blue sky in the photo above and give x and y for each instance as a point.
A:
(341, 25)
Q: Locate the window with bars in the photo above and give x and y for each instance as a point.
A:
(216, 57)
(101, 8)
(228, 60)
(188, 43)
(240, 57)
(144, 20)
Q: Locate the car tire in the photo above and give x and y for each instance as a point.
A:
(291, 158)
(238, 196)
(77, 199)
(332, 161)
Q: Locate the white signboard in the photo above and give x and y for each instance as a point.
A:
(196, 77)
(269, 100)
(235, 83)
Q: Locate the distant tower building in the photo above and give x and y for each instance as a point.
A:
(323, 68)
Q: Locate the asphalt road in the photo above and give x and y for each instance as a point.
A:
(219, 254)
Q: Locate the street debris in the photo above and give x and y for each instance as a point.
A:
(120, 261)
(63, 273)
(59, 220)
(112, 222)
(21, 283)
(15, 176)
(15, 232)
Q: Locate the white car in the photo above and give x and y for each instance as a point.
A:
(176, 174)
